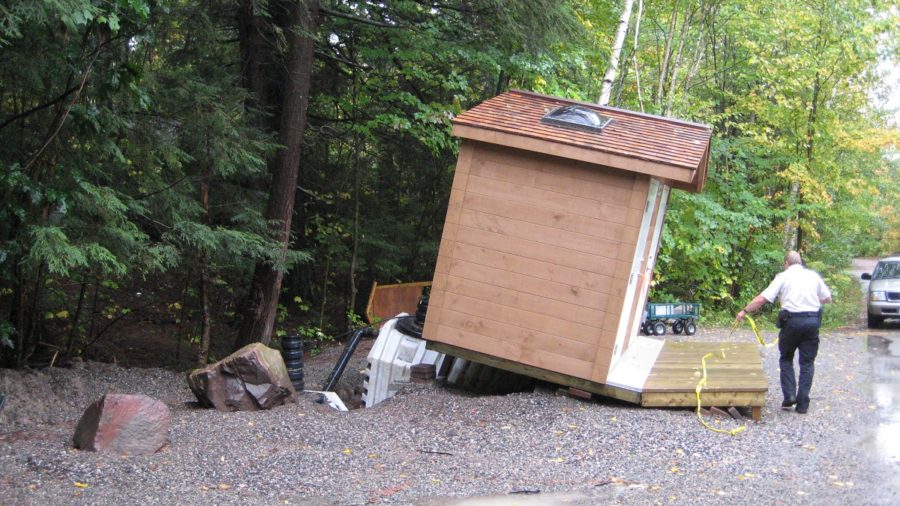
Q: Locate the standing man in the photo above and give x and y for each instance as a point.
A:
(801, 293)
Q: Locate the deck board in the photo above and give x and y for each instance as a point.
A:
(656, 373)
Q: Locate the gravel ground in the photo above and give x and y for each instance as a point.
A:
(440, 446)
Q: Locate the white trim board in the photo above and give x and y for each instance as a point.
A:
(634, 366)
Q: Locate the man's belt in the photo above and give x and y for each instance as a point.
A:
(803, 314)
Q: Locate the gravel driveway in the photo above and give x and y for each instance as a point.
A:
(440, 446)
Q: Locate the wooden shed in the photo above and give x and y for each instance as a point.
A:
(552, 232)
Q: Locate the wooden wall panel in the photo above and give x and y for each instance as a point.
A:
(534, 260)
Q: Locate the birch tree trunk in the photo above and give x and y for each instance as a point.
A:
(613, 67)
(637, 70)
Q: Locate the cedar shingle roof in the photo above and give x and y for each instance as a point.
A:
(669, 148)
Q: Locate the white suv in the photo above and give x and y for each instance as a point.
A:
(884, 291)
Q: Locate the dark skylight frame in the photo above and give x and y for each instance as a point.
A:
(577, 117)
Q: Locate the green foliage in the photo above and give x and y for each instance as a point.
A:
(116, 116)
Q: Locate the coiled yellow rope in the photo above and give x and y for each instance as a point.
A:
(702, 382)
(700, 385)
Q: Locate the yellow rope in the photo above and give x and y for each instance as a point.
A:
(758, 336)
(700, 385)
(702, 382)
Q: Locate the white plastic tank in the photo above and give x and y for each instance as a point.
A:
(389, 362)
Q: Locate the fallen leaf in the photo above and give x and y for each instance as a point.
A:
(80, 485)
(613, 419)
(223, 486)
(746, 476)
(557, 460)
(347, 451)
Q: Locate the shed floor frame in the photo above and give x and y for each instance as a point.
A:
(656, 373)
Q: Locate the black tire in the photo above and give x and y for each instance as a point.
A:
(874, 321)
(690, 328)
(659, 329)
(677, 327)
(645, 329)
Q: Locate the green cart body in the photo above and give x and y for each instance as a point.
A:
(681, 316)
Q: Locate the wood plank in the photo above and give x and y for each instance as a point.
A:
(527, 302)
(528, 284)
(685, 399)
(535, 372)
(538, 233)
(555, 218)
(509, 351)
(585, 172)
(679, 364)
(386, 301)
(537, 268)
(549, 253)
(526, 173)
(591, 208)
(546, 325)
(525, 337)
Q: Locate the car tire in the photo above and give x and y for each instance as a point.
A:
(677, 327)
(874, 321)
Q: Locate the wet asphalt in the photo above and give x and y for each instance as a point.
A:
(883, 347)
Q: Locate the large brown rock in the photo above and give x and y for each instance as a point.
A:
(252, 378)
(125, 424)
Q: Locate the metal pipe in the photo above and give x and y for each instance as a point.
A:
(341, 364)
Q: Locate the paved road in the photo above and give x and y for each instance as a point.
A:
(883, 345)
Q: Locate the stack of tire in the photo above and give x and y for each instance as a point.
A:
(292, 353)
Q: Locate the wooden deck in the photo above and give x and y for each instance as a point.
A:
(736, 380)
(655, 373)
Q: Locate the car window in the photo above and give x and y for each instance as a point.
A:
(886, 270)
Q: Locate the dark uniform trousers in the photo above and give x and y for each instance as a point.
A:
(800, 332)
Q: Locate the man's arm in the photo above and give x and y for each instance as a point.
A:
(754, 305)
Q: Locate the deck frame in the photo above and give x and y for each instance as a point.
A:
(738, 380)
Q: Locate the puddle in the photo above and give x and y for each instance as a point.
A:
(884, 440)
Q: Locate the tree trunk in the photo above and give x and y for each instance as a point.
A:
(667, 53)
(203, 351)
(637, 70)
(613, 66)
(262, 302)
(673, 78)
(793, 237)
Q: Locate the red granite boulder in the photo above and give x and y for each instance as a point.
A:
(124, 424)
(249, 379)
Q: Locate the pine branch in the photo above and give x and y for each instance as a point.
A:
(41, 107)
(358, 19)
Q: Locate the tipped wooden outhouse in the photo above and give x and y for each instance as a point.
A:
(552, 230)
